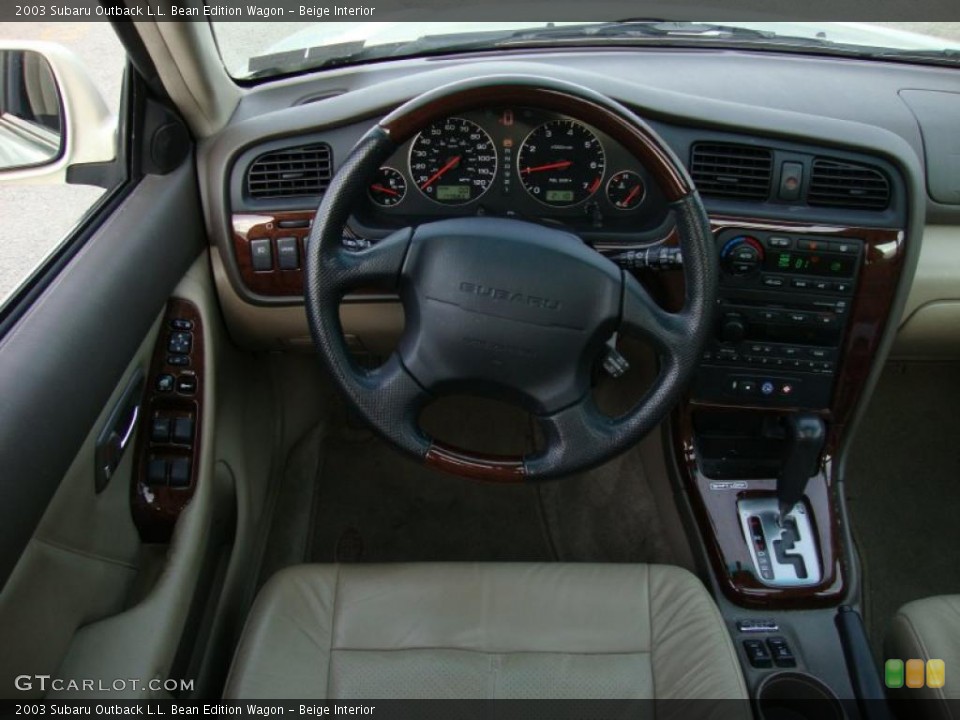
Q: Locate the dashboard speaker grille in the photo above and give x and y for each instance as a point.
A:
(734, 171)
(835, 183)
(291, 172)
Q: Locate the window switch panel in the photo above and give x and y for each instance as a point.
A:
(757, 653)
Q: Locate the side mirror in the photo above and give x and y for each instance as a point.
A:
(52, 116)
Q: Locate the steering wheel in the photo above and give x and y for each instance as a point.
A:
(504, 308)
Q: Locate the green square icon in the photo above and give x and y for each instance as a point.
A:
(893, 673)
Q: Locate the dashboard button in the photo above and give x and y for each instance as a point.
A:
(288, 254)
(804, 244)
(773, 281)
(845, 247)
(261, 253)
(791, 178)
(800, 283)
(780, 242)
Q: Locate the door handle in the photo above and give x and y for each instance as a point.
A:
(117, 432)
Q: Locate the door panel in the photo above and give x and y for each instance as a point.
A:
(79, 595)
(60, 363)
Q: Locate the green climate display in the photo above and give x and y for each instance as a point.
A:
(810, 263)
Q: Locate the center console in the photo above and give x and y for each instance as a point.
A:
(802, 308)
(785, 302)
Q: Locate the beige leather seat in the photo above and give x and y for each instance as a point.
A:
(924, 630)
(516, 630)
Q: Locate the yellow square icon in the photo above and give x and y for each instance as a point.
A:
(936, 673)
(914, 673)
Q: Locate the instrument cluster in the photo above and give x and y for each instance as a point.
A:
(514, 162)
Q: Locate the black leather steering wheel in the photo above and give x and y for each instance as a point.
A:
(506, 308)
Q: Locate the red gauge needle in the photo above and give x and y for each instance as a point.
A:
(452, 163)
(549, 166)
(381, 188)
(631, 195)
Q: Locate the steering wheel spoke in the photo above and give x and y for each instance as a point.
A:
(376, 266)
(570, 437)
(643, 317)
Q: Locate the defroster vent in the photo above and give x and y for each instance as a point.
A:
(291, 172)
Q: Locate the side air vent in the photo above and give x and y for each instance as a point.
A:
(725, 170)
(835, 183)
(290, 172)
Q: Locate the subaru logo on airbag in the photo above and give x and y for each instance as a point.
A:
(509, 296)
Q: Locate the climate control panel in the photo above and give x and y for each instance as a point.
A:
(784, 303)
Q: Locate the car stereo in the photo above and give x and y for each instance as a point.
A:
(784, 303)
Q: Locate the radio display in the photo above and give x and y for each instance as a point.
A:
(810, 263)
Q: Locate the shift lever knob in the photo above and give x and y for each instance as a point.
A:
(806, 434)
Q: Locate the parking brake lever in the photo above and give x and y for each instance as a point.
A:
(806, 435)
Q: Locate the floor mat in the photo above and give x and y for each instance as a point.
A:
(903, 490)
(374, 505)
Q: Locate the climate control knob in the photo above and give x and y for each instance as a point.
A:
(742, 255)
(733, 328)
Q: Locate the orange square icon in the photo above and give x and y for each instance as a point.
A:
(936, 673)
(914, 673)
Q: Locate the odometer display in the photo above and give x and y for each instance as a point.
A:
(453, 161)
(561, 163)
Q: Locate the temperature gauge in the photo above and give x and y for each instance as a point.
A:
(625, 190)
(388, 187)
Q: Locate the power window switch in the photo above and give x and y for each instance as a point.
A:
(157, 471)
(180, 473)
(782, 655)
(757, 653)
(183, 430)
(160, 429)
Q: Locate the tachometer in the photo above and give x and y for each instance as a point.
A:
(561, 163)
(453, 161)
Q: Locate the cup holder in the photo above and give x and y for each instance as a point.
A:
(797, 696)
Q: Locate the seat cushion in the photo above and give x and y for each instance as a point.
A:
(929, 629)
(485, 630)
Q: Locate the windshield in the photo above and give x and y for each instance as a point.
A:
(265, 49)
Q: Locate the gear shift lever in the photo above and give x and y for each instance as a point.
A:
(806, 434)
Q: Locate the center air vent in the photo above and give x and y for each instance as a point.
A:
(291, 172)
(725, 170)
(835, 183)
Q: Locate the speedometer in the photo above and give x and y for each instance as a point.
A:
(561, 163)
(453, 161)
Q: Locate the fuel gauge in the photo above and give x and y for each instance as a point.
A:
(388, 187)
(625, 190)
